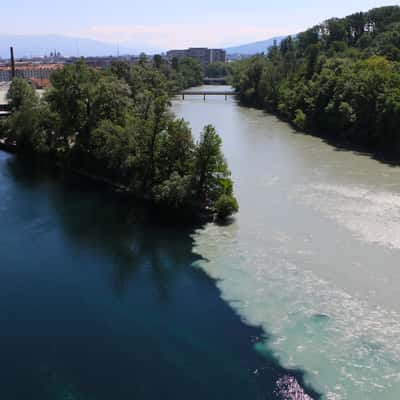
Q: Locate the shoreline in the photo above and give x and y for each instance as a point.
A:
(8, 147)
(340, 143)
(178, 215)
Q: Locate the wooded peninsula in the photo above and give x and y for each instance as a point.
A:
(116, 124)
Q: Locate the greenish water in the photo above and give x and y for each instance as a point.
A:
(99, 300)
(314, 254)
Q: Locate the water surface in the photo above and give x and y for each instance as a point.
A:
(314, 254)
(99, 300)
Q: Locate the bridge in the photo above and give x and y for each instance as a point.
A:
(205, 93)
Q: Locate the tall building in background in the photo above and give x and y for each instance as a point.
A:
(217, 55)
(202, 54)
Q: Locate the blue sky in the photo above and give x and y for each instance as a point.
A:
(172, 23)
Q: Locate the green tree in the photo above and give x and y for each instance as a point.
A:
(176, 151)
(225, 206)
(112, 148)
(212, 176)
(157, 61)
(300, 119)
(35, 129)
(72, 96)
(189, 73)
(217, 70)
(339, 77)
(111, 101)
(143, 59)
(174, 191)
(116, 124)
(21, 95)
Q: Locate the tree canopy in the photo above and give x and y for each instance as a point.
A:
(116, 124)
(340, 78)
(218, 70)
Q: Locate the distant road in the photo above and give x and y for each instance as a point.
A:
(4, 86)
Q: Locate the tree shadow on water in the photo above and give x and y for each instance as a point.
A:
(163, 330)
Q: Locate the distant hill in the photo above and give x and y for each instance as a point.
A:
(254, 48)
(40, 45)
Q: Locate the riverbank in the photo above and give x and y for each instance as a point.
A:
(333, 85)
(182, 215)
(124, 133)
(341, 142)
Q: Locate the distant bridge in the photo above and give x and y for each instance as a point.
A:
(205, 93)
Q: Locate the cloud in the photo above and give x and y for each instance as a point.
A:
(181, 35)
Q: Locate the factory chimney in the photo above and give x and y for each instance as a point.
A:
(12, 62)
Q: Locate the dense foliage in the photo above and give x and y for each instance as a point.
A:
(218, 70)
(116, 124)
(340, 78)
(182, 73)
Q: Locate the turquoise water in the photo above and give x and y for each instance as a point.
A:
(99, 300)
(313, 256)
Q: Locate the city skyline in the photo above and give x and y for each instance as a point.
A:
(176, 24)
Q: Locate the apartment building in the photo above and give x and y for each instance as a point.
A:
(29, 71)
(202, 54)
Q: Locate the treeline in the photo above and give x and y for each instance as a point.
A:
(340, 78)
(218, 70)
(183, 73)
(116, 124)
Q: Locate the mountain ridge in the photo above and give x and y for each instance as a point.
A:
(41, 45)
(254, 47)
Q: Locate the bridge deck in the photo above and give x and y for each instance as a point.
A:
(4, 114)
(208, 92)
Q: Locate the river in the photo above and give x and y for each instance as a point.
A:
(101, 300)
(314, 254)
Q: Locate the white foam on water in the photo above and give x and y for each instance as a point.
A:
(372, 216)
(348, 348)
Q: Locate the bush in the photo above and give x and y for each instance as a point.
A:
(300, 119)
(173, 191)
(225, 206)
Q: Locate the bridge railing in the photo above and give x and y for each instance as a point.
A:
(205, 93)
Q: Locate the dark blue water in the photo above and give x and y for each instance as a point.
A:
(100, 301)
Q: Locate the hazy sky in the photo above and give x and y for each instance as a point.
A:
(173, 23)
